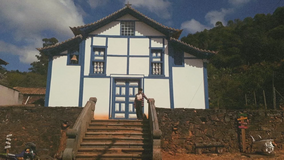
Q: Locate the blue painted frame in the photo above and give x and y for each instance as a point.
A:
(206, 96)
(48, 82)
(171, 61)
(112, 105)
(82, 59)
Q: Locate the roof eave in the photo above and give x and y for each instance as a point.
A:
(199, 53)
(85, 30)
(63, 46)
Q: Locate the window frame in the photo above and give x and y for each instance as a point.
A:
(162, 62)
(93, 60)
(121, 27)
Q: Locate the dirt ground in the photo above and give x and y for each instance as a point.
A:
(225, 156)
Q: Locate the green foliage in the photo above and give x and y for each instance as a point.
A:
(37, 75)
(40, 66)
(250, 53)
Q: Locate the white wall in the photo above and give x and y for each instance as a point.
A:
(113, 28)
(65, 81)
(139, 46)
(87, 56)
(139, 65)
(188, 85)
(159, 90)
(98, 87)
(142, 29)
(10, 96)
(117, 46)
(116, 65)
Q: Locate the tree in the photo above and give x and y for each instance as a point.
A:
(41, 65)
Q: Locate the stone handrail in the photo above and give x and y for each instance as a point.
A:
(75, 135)
(155, 130)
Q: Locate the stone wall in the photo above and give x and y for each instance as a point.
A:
(40, 125)
(183, 128)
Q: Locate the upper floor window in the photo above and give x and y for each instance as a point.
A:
(73, 57)
(127, 28)
(157, 62)
(98, 61)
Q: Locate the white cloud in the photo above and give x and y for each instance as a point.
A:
(96, 3)
(159, 7)
(238, 2)
(193, 26)
(28, 19)
(214, 16)
(26, 53)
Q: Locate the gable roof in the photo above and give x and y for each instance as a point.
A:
(88, 28)
(31, 91)
(3, 62)
(200, 53)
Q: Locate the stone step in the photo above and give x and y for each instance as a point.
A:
(113, 156)
(115, 150)
(118, 124)
(116, 144)
(117, 138)
(124, 122)
(116, 135)
(117, 129)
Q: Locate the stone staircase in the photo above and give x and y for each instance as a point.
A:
(116, 140)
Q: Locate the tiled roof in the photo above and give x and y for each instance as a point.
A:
(32, 91)
(3, 62)
(193, 47)
(67, 42)
(77, 30)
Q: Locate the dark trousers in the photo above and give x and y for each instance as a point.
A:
(139, 112)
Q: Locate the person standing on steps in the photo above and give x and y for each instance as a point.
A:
(139, 103)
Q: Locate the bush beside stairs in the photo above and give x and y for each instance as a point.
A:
(116, 140)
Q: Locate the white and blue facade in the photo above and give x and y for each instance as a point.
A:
(119, 54)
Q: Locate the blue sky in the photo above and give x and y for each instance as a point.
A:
(24, 23)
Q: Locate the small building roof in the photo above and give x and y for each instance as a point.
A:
(60, 47)
(200, 53)
(3, 62)
(30, 91)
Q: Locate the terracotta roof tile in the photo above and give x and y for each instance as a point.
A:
(3, 62)
(34, 91)
(189, 45)
(58, 44)
(74, 29)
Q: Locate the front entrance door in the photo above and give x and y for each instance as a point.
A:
(123, 98)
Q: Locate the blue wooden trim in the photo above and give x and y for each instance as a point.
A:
(150, 57)
(48, 82)
(128, 47)
(206, 94)
(110, 98)
(112, 103)
(105, 58)
(191, 58)
(91, 73)
(118, 36)
(156, 77)
(171, 61)
(82, 59)
(127, 56)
